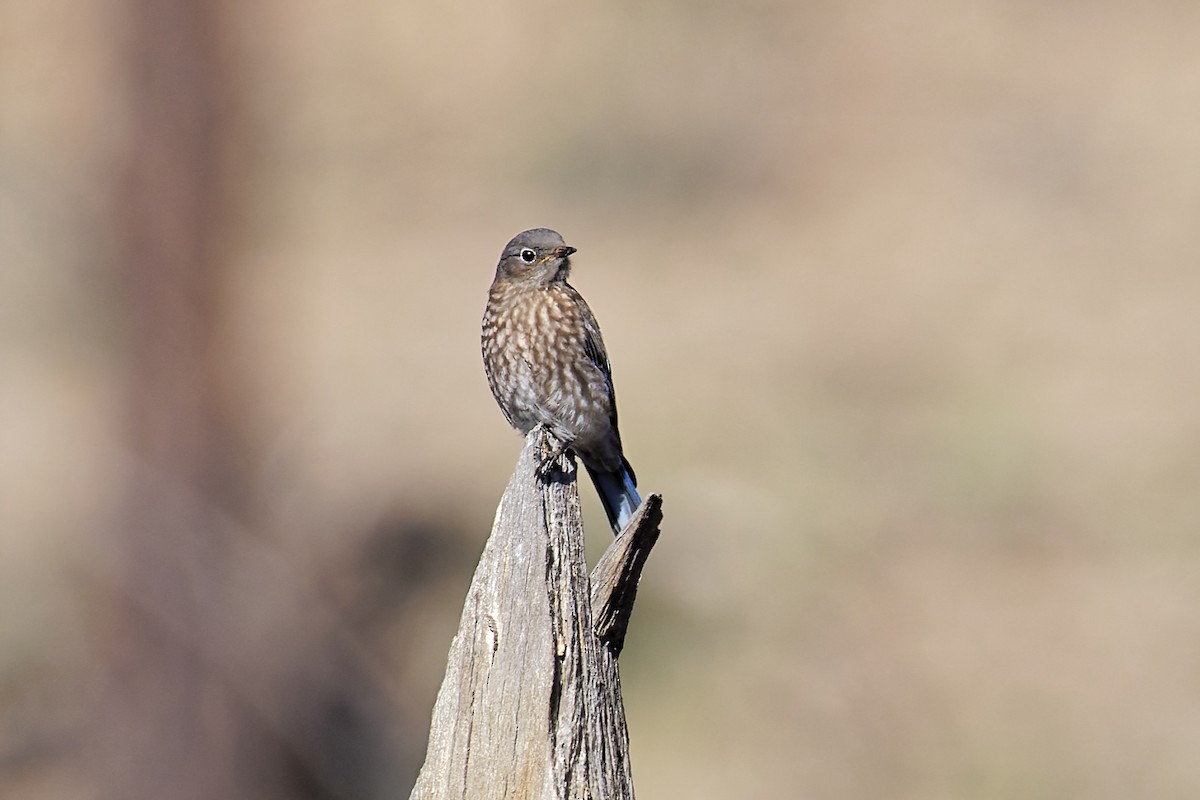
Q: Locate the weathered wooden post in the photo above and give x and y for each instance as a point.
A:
(531, 703)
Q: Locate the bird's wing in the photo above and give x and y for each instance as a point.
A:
(593, 342)
(593, 348)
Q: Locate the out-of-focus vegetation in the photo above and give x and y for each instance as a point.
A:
(903, 303)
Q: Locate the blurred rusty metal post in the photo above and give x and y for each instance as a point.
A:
(531, 703)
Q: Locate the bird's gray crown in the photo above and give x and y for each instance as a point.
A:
(540, 239)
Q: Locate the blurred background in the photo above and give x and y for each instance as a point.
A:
(904, 311)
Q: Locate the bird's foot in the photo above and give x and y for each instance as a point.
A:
(552, 449)
(549, 462)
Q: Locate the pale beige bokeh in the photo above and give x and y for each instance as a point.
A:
(903, 305)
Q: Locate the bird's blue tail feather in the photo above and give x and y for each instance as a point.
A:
(618, 494)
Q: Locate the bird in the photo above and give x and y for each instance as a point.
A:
(546, 365)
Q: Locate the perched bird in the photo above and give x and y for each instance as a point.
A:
(546, 364)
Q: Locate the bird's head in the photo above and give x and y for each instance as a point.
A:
(536, 256)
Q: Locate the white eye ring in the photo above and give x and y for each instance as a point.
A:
(527, 255)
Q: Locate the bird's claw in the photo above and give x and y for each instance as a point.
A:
(550, 462)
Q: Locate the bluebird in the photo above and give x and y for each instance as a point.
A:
(546, 364)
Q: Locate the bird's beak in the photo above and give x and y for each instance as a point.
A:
(564, 251)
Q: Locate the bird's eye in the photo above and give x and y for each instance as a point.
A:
(527, 255)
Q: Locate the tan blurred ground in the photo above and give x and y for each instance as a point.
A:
(903, 301)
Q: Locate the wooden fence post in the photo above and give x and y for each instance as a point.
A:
(531, 703)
